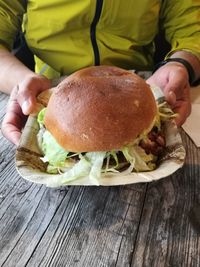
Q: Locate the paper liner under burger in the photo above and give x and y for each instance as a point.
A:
(31, 167)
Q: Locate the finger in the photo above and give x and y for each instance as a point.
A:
(183, 110)
(12, 125)
(14, 119)
(11, 134)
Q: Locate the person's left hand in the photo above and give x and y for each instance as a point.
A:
(173, 79)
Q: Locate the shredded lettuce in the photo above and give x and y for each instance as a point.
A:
(89, 164)
(109, 167)
(165, 112)
(139, 160)
(80, 169)
(96, 159)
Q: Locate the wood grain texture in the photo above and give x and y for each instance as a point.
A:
(135, 225)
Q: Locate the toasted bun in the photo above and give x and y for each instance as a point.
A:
(100, 109)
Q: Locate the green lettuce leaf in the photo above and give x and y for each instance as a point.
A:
(53, 152)
(40, 117)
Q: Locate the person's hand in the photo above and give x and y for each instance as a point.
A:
(22, 102)
(173, 79)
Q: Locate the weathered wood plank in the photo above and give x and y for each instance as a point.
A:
(166, 236)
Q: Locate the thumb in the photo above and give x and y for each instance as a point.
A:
(28, 105)
(27, 92)
(170, 97)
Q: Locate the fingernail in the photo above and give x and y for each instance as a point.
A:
(171, 94)
(26, 107)
(16, 141)
(172, 97)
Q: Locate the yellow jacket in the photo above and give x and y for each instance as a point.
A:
(67, 35)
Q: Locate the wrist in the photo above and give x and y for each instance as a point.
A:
(184, 62)
(192, 58)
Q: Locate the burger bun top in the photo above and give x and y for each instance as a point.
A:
(100, 108)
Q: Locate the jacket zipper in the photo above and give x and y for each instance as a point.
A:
(97, 15)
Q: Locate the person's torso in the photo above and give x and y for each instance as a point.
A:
(69, 34)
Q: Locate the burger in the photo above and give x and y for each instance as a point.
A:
(101, 119)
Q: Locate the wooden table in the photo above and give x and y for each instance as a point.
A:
(135, 225)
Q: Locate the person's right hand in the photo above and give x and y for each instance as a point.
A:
(22, 102)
